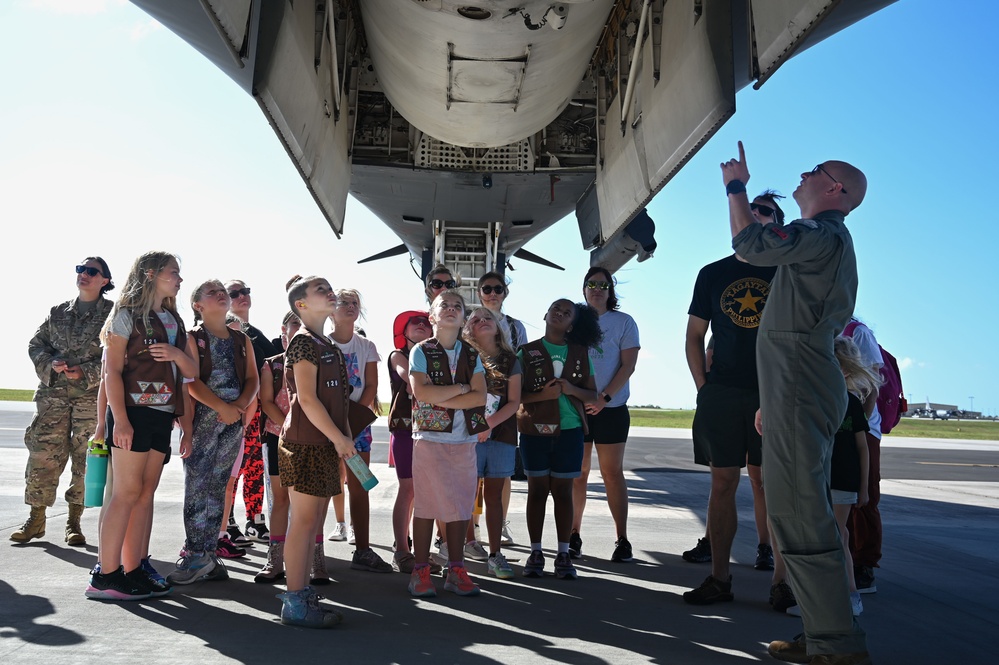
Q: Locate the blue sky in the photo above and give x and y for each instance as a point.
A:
(116, 137)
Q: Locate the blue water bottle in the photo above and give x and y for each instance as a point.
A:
(97, 473)
(363, 473)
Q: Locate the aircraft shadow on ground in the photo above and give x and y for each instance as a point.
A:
(19, 615)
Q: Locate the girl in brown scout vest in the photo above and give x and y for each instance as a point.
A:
(224, 390)
(449, 392)
(496, 450)
(274, 405)
(314, 437)
(144, 340)
(558, 379)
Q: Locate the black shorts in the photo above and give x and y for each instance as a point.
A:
(270, 443)
(724, 429)
(152, 429)
(611, 425)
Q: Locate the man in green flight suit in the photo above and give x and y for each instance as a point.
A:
(803, 394)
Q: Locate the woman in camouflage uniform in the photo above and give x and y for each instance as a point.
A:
(66, 351)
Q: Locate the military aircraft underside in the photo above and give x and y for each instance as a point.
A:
(470, 126)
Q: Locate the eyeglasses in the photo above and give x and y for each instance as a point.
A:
(489, 288)
(437, 284)
(419, 321)
(598, 286)
(766, 211)
(91, 272)
(235, 293)
(818, 167)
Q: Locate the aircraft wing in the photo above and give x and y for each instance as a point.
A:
(470, 129)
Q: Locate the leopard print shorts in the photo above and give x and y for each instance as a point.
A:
(309, 469)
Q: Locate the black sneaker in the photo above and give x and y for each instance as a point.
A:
(141, 579)
(218, 573)
(622, 551)
(228, 550)
(235, 535)
(764, 557)
(575, 545)
(258, 531)
(701, 552)
(711, 591)
(781, 596)
(114, 586)
(864, 577)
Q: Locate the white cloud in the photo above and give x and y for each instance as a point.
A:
(78, 7)
(905, 363)
(142, 30)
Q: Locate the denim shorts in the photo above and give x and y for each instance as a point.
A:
(556, 456)
(495, 459)
(842, 497)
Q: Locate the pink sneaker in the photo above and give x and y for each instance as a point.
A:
(420, 584)
(460, 583)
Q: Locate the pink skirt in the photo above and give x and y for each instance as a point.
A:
(444, 480)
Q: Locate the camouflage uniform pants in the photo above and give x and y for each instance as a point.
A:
(58, 433)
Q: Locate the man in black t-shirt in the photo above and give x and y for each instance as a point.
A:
(729, 296)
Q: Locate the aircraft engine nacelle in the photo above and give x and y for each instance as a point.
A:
(482, 76)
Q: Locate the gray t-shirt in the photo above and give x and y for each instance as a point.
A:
(620, 333)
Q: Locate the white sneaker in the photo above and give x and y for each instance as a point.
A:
(475, 551)
(339, 532)
(442, 554)
(856, 603)
(350, 535)
(499, 567)
(506, 538)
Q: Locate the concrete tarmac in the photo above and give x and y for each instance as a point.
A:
(937, 598)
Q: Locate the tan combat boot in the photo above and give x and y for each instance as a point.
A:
(74, 534)
(33, 527)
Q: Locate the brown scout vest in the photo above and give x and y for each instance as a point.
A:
(506, 431)
(431, 418)
(332, 388)
(149, 382)
(542, 418)
(202, 339)
(276, 365)
(401, 412)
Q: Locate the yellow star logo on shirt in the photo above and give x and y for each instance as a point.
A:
(748, 301)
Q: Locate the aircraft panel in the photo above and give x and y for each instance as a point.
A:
(296, 96)
(780, 26)
(670, 120)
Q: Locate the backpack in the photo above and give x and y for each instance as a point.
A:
(891, 400)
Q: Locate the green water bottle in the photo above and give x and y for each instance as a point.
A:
(97, 473)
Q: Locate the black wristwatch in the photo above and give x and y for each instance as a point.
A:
(607, 398)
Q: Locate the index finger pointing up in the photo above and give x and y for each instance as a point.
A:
(742, 153)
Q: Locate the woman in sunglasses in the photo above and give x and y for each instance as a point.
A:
(439, 280)
(66, 352)
(614, 362)
(252, 469)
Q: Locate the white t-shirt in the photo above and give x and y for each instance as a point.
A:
(358, 352)
(871, 354)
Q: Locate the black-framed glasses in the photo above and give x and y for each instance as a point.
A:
(488, 289)
(601, 286)
(438, 284)
(235, 293)
(91, 272)
(766, 211)
(818, 167)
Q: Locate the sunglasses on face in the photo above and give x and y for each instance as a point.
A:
(91, 272)
(766, 211)
(420, 321)
(235, 293)
(818, 167)
(601, 286)
(437, 284)
(489, 288)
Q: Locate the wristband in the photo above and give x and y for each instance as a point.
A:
(735, 187)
